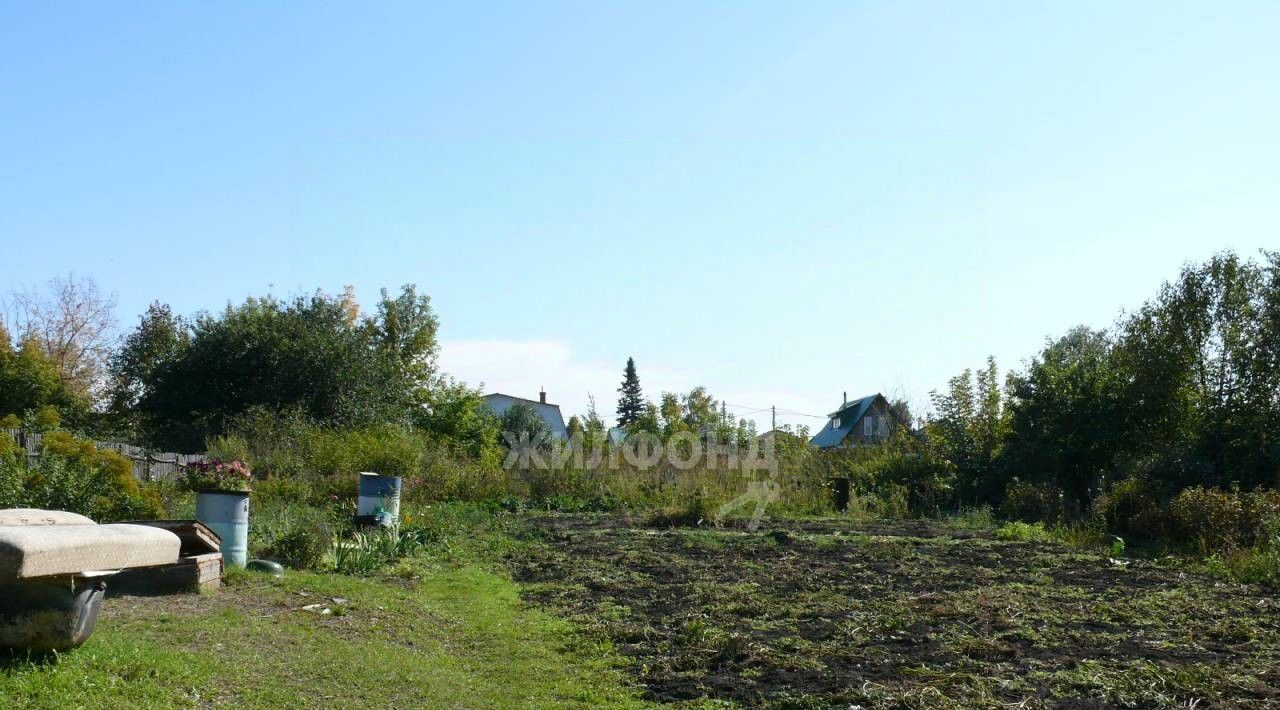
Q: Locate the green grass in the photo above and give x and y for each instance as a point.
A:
(803, 613)
(436, 634)
(1255, 565)
(1022, 532)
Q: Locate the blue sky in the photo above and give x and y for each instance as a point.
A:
(779, 202)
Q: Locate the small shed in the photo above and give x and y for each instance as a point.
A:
(199, 564)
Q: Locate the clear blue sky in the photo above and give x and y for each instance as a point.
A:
(779, 201)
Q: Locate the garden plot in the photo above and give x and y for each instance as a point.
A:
(891, 614)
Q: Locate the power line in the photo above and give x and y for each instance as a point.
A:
(750, 411)
(802, 414)
(779, 410)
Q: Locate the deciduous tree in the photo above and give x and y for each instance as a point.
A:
(160, 338)
(73, 322)
(301, 355)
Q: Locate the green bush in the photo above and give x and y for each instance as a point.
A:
(44, 419)
(175, 500)
(274, 440)
(1024, 532)
(295, 535)
(301, 547)
(73, 475)
(1218, 520)
(9, 448)
(1034, 502)
(287, 490)
(976, 518)
(1252, 566)
(1132, 507)
(695, 510)
(1087, 537)
(388, 450)
(449, 473)
(893, 501)
(310, 463)
(905, 470)
(900, 478)
(13, 492)
(229, 448)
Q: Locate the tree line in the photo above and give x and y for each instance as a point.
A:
(696, 412)
(1183, 391)
(174, 382)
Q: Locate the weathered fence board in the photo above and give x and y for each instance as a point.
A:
(147, 465)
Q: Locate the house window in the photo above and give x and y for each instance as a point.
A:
(869, 426)
(835, 422)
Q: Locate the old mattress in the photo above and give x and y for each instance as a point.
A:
(36, 516)
(28, 551)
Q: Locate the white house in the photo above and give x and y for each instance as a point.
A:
(499, 404)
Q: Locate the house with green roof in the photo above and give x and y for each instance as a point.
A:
(862, 422)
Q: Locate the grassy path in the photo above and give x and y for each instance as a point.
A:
(432, 635)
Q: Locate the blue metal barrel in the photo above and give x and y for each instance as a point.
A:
(227, 514)
(379, 494)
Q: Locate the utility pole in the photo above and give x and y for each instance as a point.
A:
(774, 409)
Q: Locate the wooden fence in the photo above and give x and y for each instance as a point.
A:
(147, 465)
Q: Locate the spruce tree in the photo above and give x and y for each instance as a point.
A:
(631, 403)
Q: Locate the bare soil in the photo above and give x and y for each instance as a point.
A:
(892, 614)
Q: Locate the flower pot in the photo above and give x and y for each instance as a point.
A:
(226, 513)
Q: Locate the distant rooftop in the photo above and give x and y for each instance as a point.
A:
(847, 416)
(499, 403)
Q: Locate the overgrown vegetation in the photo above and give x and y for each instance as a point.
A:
(1161, 430)
(73, 474)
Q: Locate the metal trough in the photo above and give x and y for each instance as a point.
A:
(53, 572)
(51, 614)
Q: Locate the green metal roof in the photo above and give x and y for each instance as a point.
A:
(849, 415)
